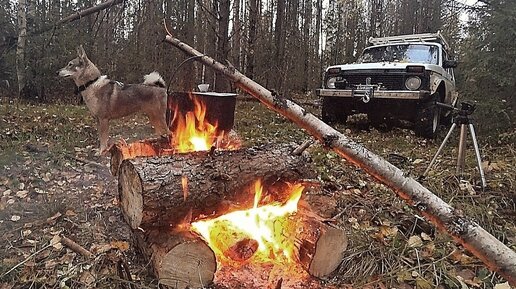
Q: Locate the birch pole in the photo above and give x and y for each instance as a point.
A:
(495, 255)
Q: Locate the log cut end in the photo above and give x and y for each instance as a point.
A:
(329, 252)
(130, 195)
(188, 265)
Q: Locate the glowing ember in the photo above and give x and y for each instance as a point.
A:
(262, 234)
(194, 133)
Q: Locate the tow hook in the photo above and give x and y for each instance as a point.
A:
(366, 98)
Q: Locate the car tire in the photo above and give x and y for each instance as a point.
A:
(428, 117)
(332, 111)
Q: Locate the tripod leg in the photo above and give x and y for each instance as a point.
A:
(477, 153)
(461, 158)
(440, 149)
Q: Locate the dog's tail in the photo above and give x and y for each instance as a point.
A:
(154, 79)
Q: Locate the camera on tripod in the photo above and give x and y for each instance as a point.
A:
(466, 108)
(461, 118)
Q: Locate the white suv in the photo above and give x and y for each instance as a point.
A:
(398, 77)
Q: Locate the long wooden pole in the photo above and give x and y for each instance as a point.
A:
(465, 231)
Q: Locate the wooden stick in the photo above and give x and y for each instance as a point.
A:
(301, 148)
(76, 247)
(465, 231)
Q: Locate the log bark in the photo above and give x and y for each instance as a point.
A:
(153, 191)
(144, 148)
(497, 256)
(178, 258)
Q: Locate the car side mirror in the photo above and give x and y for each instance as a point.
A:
(450, 63)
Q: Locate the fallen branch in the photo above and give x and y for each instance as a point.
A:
(302, 147)
(79, 15)
(76, 247)
(465, 231)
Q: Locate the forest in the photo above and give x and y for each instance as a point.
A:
(284, 45)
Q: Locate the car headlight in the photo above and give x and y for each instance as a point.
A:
(413, 83)
(330, 82)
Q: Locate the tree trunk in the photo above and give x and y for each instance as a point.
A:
(465, 231)
(160, 191)
(251, 39)
(20, 48)
(221, 83)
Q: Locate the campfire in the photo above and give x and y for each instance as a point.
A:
(199, 215)
(262, 234)
(193, 132)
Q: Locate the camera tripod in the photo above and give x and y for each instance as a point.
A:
(461, 118)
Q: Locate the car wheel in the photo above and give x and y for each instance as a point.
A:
(332, 111)
(428, 117)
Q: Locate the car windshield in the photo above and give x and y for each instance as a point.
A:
(408, 53)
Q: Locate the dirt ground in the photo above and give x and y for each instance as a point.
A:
(53, 185)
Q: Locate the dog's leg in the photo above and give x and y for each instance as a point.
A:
(159, 123)
(103, 128)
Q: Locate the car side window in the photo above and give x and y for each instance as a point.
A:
(449, 69)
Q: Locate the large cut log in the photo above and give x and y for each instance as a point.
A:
(178, 258)
(496, 255)
(321, 245)
(159, 191)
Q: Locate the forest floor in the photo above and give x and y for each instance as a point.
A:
(49, 189)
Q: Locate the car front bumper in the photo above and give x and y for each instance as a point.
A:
(383, 94)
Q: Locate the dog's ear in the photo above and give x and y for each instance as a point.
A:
(81, 53)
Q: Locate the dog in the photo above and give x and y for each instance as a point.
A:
(107, 99)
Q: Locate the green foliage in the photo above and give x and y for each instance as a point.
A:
(489, 70)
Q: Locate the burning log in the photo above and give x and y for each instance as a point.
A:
(496, 255)
(179, 258)
(159, 191)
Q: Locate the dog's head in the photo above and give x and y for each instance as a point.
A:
(77, 67)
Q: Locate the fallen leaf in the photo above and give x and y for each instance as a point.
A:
(15, 218)
(461, 258)
(425, 237)
(428, 250)
(120, 245)
(6, 193)
(70, 213)
(466, 186)
(22, 194)
(415, 242)
(87, 279)
(99, 249)
(423, 284)
(56, 242)
(502, 286)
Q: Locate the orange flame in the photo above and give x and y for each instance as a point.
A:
(194, 133)
(270, 227)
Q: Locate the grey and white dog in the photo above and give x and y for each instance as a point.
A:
(107, 99)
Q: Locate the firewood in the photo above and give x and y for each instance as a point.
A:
(178, 258)
(321, 245)
(151, 189)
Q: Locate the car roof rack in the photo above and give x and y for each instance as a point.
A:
(424, 37)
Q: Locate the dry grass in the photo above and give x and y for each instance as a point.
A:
(34, 142)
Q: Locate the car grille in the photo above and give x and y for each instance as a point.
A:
(391, 82)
